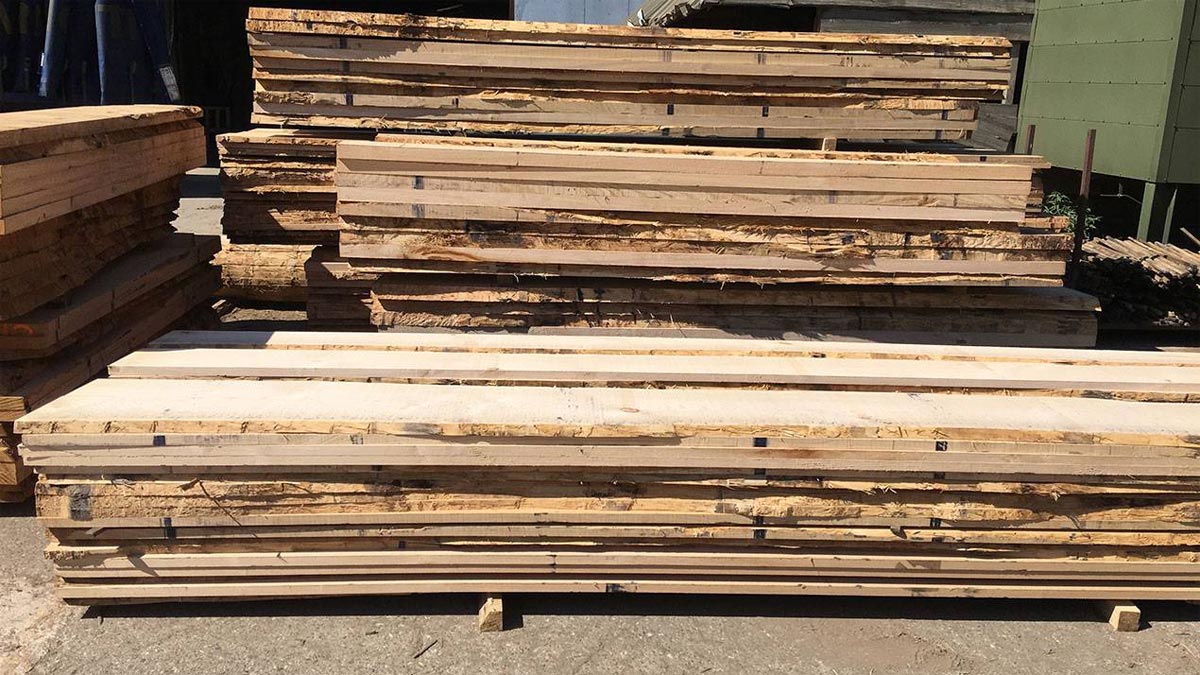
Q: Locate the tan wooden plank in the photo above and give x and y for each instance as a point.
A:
(609, 344)
(636, 370)
(410, 409)
(40, 126)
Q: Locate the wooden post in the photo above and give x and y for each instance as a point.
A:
(1029, 133)
(1124, 617)
(1083, 206)
(491, 613)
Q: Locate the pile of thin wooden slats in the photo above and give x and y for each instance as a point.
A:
(280, 201)
(922, 314)
(276, 465)
(16, 479)
(89, 267)
(264, 273)
(517, 234)
(1143, 284)
(339, 295)
(278, 185)
(401, 72)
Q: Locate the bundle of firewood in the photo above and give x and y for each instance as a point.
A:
(1140, 283)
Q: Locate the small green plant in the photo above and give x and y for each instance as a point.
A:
(1059, 204)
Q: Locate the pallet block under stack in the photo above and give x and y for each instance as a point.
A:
(323, 464)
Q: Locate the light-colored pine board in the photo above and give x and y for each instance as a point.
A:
(1148, 382)
(408, 409)
(615, 344)
(98, 593)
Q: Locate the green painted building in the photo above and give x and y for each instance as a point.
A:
(1131, 70)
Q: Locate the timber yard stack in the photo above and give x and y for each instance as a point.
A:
(90, 268)
(279, 204)
(277, 465)
(587, 230)
(278, 185)
(414, 73)
(490, 233)
(264, 273)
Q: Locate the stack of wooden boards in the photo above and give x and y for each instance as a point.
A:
(278, 185)
(308, 464)
(280, 201)
(441, 231)
(264, 273)
(340, 75)
(413, 73)
(339, 295)
(1142, 284)
(90, 268)
(517, 234)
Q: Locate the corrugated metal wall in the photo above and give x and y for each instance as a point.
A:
(1184, 142)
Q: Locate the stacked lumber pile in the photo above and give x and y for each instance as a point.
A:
(442, 231)
(516, 234)
(264, 273)
(90, 268)
(414, 73)
(71, 202)
(950, 315)
(278, 185)
(339, 295)
(282, 465)
(280, 201)
(1142, 284)
(16, 479)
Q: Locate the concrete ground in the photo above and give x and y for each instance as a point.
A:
(558, 634)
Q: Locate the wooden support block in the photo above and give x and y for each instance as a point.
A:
(1124, 617)
(491, 613)
(828, 144)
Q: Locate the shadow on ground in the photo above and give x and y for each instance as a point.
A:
(21, 510)
(203, 185)
(518, 605)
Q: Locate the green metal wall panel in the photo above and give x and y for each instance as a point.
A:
(1116, 66)
(1182, 149)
